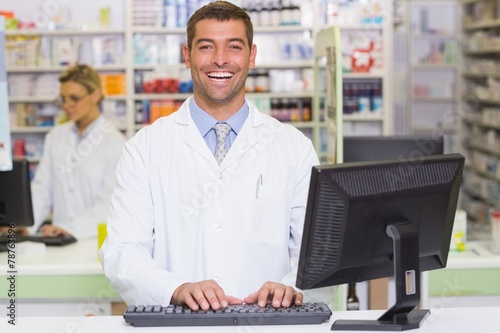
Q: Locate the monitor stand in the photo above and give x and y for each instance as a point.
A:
(403, 315)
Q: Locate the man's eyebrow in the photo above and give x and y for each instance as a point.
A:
(209, 40)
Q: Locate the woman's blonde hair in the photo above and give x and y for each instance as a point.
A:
(84, 75)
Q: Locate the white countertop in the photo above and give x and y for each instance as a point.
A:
(79, 258)
(476, 255)
(451, 320)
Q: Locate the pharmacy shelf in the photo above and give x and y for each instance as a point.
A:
(484, 174)
(431, 99)
(293, 94)
(158, 67)
(492, 101)
(89, 32)
(432, 131)
(465, 2)
(177, 96)
(379, 75)
(481, 75)
(51, 99)
(433, 74)
(483, 198)
(32, 99)
(30, 129)
(482, 25)
(59, 69)
(485, 51)
(484, 149)
(443, 67)
(158, 30)
(116, 97)
(285, 64)
(481, 21)
(437, 36)
(481, 124)
(283, 29)
(364, 117)
(361, 27)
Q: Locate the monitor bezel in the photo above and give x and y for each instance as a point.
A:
(16, 195)
(373, 148)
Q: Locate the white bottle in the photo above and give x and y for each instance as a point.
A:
(495, 230)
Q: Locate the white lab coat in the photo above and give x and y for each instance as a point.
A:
(177, 216)
(76, 175)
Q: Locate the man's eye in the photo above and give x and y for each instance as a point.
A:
(236, 47)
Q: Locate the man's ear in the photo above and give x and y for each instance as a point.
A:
(253, 55)
(186, 54)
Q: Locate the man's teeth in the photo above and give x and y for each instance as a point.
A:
(220, 75)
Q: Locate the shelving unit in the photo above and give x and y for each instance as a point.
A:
(481, 115)
(270, 39)
(433, 69)
(367, 53)
(369, 122)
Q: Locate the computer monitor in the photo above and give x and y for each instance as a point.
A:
(372, 148)
(15, 196)
(369, 220)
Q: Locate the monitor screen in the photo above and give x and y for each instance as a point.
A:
(369, 220)
(373, 148)
(15, 196)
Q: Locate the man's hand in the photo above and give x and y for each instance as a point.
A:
(204, 294)
(277, 294)
(53, 231)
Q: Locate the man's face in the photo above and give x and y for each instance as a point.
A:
(219, 61)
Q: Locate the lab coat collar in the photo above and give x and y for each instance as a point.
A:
(245, 140)
(95, 124)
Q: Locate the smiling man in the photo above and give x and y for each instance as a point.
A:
(210, 201)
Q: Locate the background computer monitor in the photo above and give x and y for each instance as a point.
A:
(369, 220)
(15, 196)
(372, 148)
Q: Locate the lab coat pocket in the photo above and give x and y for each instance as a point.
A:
(266, 222)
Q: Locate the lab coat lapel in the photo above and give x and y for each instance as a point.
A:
(248, 136)
(190, 134)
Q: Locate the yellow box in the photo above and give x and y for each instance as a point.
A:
(459, 234)
(102, 232)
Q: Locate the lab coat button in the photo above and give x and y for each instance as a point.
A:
(217, 227)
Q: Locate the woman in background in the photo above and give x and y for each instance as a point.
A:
(76, 175)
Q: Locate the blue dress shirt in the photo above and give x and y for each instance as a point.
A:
(205, 123)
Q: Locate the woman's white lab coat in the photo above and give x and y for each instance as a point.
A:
(75, 178)
(177, 216)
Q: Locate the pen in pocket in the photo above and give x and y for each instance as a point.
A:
(259, 182)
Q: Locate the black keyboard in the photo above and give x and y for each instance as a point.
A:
(47, 240)
(233, 315)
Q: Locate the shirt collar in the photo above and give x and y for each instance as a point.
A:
(205, 122)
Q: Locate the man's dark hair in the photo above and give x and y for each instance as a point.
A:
(221, 11)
